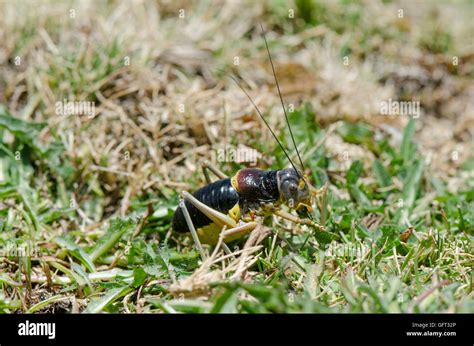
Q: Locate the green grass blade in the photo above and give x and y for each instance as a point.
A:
(117, 228)
(412, 183)
(77, 252)
(383, 177)
(407, 149)
(46, 302)
(112, 295)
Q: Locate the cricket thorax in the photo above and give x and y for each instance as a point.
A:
(256, 188)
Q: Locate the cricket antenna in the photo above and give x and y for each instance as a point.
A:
(281, 99)
(265, 121)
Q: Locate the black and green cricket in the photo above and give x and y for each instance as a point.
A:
(227, 207)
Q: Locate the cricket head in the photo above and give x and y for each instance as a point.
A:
(295, 190)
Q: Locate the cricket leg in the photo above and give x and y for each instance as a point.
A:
(207, 166)
(226, 249)
(232, 229)
(234, 233)
(290, 217)
(317, 192)
(216, 216)
(192, 229)
(239, 230)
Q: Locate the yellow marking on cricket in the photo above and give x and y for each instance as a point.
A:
(235, 212)
(209, 234)
(234, 183)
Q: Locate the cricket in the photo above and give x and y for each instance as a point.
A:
(227, 208)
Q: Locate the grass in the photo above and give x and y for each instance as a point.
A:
(86, 204)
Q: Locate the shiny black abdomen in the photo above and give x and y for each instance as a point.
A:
(219, 195)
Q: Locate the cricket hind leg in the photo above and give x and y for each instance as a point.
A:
(192, 229)
(214, 215)
(208, 166)
(232, 229)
